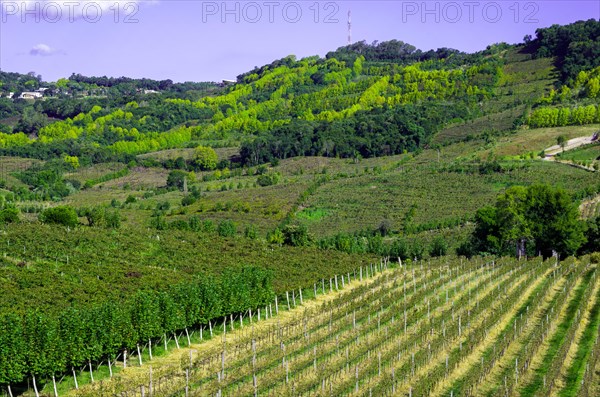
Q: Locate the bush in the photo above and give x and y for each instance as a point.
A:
(275, 237)
(251, 232)
(112, 219)
(9, 215)
(176, 179)
(164, 206)
(296, 235)
(226, 228)
(268, 179)
(94, 215)
(205, 158)
(61, 215)
(385, 227)
(439, 247)
(188, 200)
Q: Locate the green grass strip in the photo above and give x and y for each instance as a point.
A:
(577, 370)
(558, 339)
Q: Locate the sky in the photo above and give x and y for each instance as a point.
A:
(194, 40)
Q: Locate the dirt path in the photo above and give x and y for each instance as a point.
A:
(569, 145)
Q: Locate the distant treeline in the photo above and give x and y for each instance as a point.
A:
(378, 132)
(576, 46)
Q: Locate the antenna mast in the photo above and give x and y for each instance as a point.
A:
(349, 27)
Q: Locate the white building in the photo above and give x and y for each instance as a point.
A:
(31, 95)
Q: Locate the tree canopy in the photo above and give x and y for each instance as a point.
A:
(542, 218)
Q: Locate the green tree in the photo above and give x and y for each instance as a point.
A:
(438, 247)
(177, 179)
(561, 141)
(540, 219)
(205, 158)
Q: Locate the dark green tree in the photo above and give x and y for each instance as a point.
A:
(539, 219)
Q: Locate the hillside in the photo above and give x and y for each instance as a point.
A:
(121, 198)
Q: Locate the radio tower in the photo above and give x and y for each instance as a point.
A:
(349, 27)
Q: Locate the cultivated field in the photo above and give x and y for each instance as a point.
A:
(448, 327)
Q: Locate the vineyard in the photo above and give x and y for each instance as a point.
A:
(442, 328)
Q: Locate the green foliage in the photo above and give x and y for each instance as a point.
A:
(48, 344)
(106, 177)
(9, 215)
(188, 200)
(94, 215)
(61, 215)
(226, 228)
(575, 46)
(438, 247)
(268, 179)
(276, 237)
(562, 116)
(251, 232)
(205, 158)
(540, 214)
(177, 179)
(296, 235)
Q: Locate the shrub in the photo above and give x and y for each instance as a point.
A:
(112, 219)
(251, 232)
(188, 200)
(226, 228)
(296, 235)
(439, 247)
(206, 158)
(94, 215)
(268, 179)
(275, 237)
(9, 215)
(61, 215)
(176, 179)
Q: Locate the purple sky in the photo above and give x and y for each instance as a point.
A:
(211, 40)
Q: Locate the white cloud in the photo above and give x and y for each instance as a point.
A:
(42, 50)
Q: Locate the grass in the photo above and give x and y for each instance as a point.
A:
(585, 345)
(535, 140)
(95, 171)
(362, 202)
(586, 153)
(557, 339)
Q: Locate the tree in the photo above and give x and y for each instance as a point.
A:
(71, 161)
(561, 141)
(205, 158)
(538, 219)
(438, 247)
(176, 179)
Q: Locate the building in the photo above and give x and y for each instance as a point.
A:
(31, 95)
